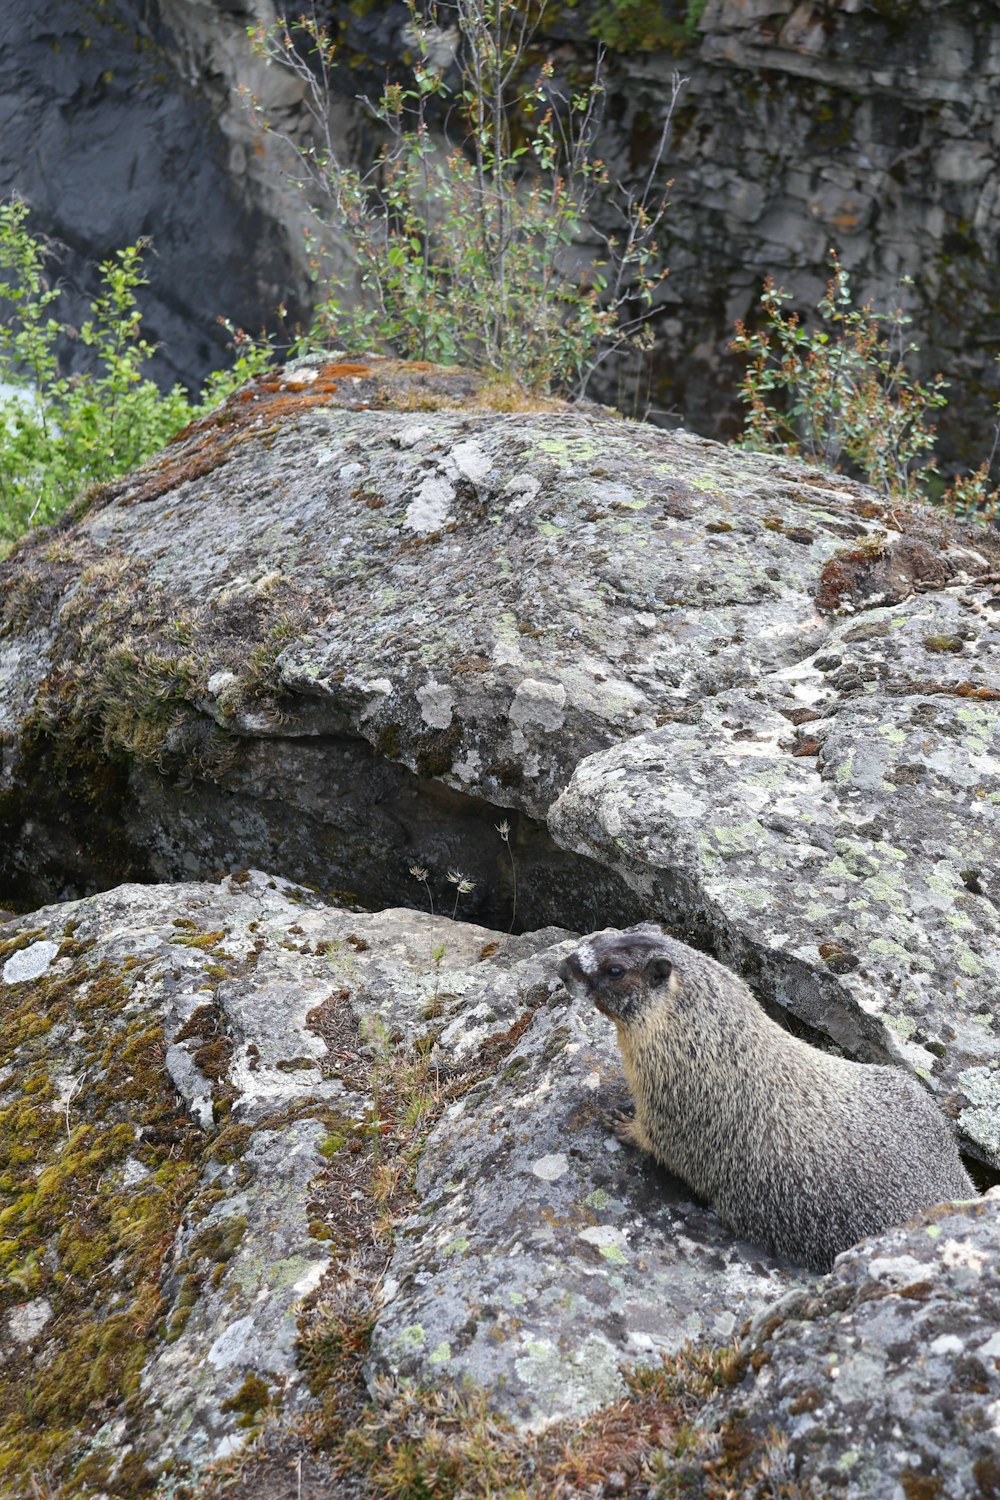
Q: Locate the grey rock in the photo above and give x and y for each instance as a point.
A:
(127, 122)
(541, 1259)
(245, 1324)
(854, 882)
(25, 1323)
(544, 1255)
(29, 963)
(882, 1381)
(726, 691)
(354, 695)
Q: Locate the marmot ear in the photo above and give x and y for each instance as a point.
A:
(659, 970)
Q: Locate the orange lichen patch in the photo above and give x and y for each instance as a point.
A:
(958, 690)
(204, 445)
(257, 409)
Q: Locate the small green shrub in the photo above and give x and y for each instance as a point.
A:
(644, 25)
(471, 231)
(60, 432)
(840, 395)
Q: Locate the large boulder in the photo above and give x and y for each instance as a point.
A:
(356, 625)
(209, 1095)
(882, 1382)
(833, 828)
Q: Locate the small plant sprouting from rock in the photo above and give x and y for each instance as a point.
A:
(463, 887)
(503, 829)
(419, 873)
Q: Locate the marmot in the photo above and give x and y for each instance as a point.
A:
(799, 1152)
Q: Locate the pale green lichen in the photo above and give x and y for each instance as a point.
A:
(597, 1200)
(981, 1086)
(412, 1337)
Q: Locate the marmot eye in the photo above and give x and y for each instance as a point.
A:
(615, 971)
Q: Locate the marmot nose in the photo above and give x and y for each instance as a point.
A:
(568, 969)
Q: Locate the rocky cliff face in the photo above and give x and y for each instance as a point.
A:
(122, 121)
(866, 125)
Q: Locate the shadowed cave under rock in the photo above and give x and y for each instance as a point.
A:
(357, 826)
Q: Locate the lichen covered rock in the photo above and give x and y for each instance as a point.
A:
(834, 831)
(883, 1381)
(179, 1069)
(544, 1257)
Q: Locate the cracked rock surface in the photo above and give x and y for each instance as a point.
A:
(882, 1381)
(352, 625)
(833, 830)
(544, 1256)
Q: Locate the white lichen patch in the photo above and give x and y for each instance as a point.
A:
(219, 682)
(955, 1253)
(29, 963)
(903, 1269)
(981, 1087)
(26, 1322)
(410, 436)
(437, 703)
(470, 460)
(470, 769)
(551, 1168)
(230, 1348)
(522, 489)
(539, 703)
(610, 1241)
(430, 508)
(310, 1278)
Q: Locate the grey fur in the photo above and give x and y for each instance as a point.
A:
(799, 1152)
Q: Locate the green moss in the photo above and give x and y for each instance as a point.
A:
(127, 683)
(71, 1231)
(206, 941)
(251, 1398)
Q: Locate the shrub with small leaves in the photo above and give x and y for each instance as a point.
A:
(840, 395)
(59, 432)
(472, 231)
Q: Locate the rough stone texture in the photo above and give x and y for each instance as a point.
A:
(545, 1255)
(865, 126)
(263, 606)
(123, 120)
(210, 978)
(226, 983)
(849, 862)
(885, 1380)
(243, 1019)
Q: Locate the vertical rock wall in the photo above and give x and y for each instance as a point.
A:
(868, 125)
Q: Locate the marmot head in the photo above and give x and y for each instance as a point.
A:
(622, 974)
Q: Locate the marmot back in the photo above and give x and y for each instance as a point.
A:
(799, 1152)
